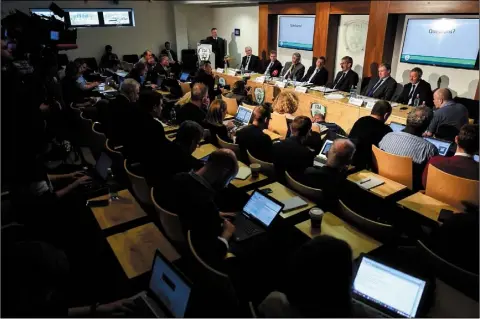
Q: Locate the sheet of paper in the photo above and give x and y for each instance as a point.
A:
(243, 173)
(355, 101)
(334, 96)
(370, 182)
(302, 89)
(293, 203)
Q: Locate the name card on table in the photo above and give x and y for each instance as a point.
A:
(231, 72)
(219, 70)
(355, 101)
(302, 89)
(370, 104)
(280, 84)
(260, 79)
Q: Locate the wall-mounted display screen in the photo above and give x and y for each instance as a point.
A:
(296, 32)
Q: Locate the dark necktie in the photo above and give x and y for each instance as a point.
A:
(340, 80)
(370, 93)
(412, 91)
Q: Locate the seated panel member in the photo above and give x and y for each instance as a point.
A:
(384, 87)
(317, 74)
(346, 77)
(250, 62)
(294, 69)
(416, 86)
(274, 67)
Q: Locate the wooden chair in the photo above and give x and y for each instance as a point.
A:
(314, 194)
(85, 130)
(248, 106)
(98, 140)
(278, 124)
(232, 105)
(266, 167)
(170, 222)
(234, 147)
(450, 189)
(371, 226)
(253, 312)
(185, 87)
(394, 167)
(139, 186)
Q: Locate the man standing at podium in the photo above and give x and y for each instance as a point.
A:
(219, 47)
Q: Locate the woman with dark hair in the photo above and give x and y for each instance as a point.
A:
(138, 72)
(214, 122)
(239, 92)
(318, 284)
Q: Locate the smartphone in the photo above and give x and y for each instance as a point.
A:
(98, 203)
(444, 215)
(266, 190)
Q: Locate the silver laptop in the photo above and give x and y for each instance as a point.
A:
(321, 158)
(397, 127)
(168, 292)
(388, 292)
(441, 145)
(243, 116)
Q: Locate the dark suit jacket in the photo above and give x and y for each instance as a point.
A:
(277, 66)
(326, 178)
(298, 71)
(253, 139)
(190, 112)
(173, 53)
(460, 166)
(423, 89)
(346, 83)
(254, 63)
(291, 156)
(219, 47)
(385, 91)
(209, 81)
(319, 79)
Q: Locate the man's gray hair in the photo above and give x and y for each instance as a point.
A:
(341, 153)
(297, 55)
(129, 87)
(248, 48)
(418, 117)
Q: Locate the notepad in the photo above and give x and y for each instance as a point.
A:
(293, 203)
(369, 182)
(243, 173)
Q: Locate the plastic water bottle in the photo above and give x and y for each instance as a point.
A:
(416, 102)
(242, 70)
(294, 81)
(353, 91)
(225, 67)
(173, 115)
(112, 191)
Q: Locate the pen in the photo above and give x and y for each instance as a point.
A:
(368, 180)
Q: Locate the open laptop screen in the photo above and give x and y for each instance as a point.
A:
(397, 127)
(388, 287)
(326, 147)
(184, 76)
(243, 114)
(169, 287)
(442, 146)
(102, 165)
(262, 208)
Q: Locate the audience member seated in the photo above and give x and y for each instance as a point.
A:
(346, 78)
(191, 196)
(416, 86)
(250, 62)
(71, 92)
(301, 297)
(462, 163)
(214, 122)
(330, 177)
(163, 68)
(204, 75)
(194, 110)
(286, 103)
(448, 114)
(274, 67)
(368, 131)
(82, 84)
(317, 74)
(384, 87)
(292, 155)
(148, 59)
(173, 157)
(332, 128)
(108, 57)
(294, 70)
(410, 143)
(172, 56)
(138, 73)
(239, 92)
(252, 138)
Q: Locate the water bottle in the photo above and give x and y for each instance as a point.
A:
(416, 102)
(353, 92)
(242, 70)
(294, 81)
(173, 115)
(225, 67)
(112, 191)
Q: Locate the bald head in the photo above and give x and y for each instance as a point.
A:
(340, 154)
(261, 116)
(221, 168)
(442, 96)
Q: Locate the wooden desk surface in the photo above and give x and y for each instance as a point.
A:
(273, 136)
(170, 128)
(136, 247)
(204, 150)
(389, 188)
(335, 227)
(118, 212)
(281, 193)
(425, 205)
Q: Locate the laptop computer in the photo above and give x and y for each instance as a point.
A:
(168, 292)
(243, 116)
(257, 215)
(184, 77)
(397, 127)
(99, 173)
(441, 145)
(387, 292)
(321, 158)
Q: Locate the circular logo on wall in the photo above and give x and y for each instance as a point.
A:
(356, 35)
(407, 57)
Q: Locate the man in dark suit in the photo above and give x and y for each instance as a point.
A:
(204, 75)
(292, 155)
(416, 86)
(163, 66)
(384, 87)
(219, 47)
(317, 74)
(252, 138)
(250, 62)
(194, 110)
(172, 58)
(346, 77)
(294, 69)
(274, 67)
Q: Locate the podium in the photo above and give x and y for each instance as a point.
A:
(205, 53)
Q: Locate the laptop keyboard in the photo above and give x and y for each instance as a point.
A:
(370, 311)
(246, 226)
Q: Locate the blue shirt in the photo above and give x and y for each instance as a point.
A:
(81, 82)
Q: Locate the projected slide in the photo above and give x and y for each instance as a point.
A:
(442, 42)
(46, 13)
(116, 17)
(84, 18)
(296, 32)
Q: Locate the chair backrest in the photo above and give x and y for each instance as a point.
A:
(394, 167)
(170, 222)
(185, 87)
(450, 189)
(205, 266)
(97, 141)
(139, 186)
(234, 147)
(314, 194)
(447, 132)
(232, 105)
(266, 167)
(278, 124)
(85, 130)
(370, 226)
(75, 110)
(130, 58)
